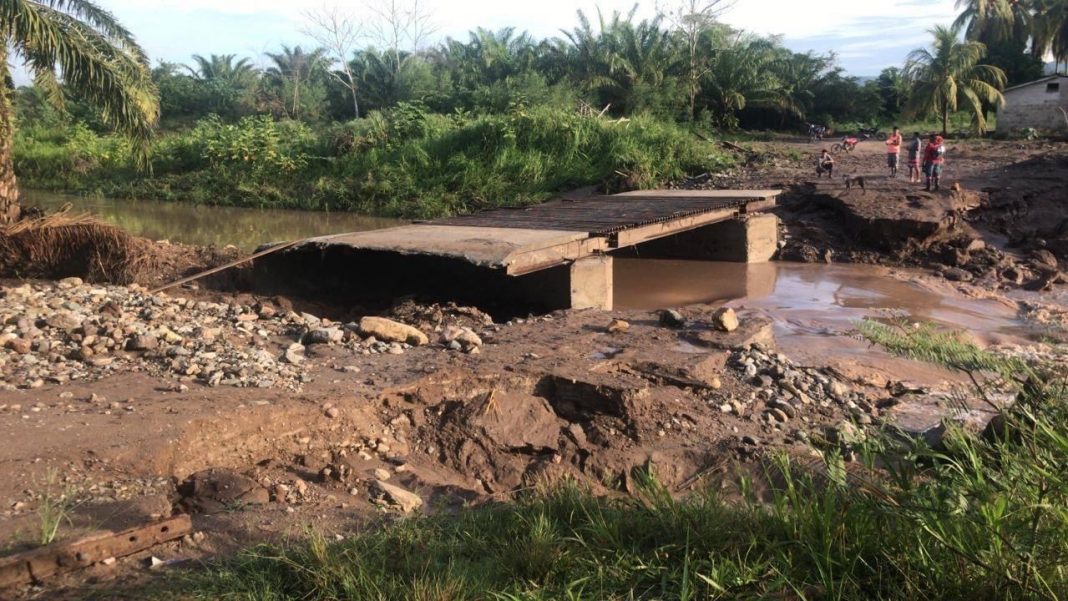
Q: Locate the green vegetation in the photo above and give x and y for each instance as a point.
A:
(407, 162)
(376, 118)
(982, 517)
(99, 60)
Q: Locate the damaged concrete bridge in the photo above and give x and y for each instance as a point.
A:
(547, 256)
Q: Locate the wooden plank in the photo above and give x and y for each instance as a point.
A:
(39, 564)
(646, 233)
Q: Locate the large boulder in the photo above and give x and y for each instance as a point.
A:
(388, 330)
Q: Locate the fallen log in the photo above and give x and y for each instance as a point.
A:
(38, 564)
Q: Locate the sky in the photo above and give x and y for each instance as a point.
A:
(867, 35)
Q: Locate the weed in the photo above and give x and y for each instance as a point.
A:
(55, 507)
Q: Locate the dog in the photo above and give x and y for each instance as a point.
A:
(855, 180)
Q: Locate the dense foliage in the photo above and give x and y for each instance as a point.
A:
(407, 161)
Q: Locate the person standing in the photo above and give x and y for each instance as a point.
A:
(934, 158)
(893, 151)
(914, 148)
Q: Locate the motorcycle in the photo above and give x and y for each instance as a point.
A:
(872, 132)
(816, 132)
(847, 144)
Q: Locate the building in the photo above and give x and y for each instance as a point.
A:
(1035, 104)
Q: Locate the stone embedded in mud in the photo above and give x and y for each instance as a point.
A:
(323, 336)
(217, 489)
(294, 353)
(395, 495)
(618, 326)
(1045, 260)
(672, 318)
(725, 319)
(755, 330)
(460, 338)
(956, 274)
(391, 331)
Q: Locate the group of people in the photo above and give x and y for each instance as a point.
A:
(926, 159)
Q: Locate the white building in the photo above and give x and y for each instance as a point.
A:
(1036, 104)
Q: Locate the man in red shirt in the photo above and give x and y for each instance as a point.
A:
(934, 157)
(893, 151)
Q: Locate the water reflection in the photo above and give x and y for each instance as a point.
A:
(204, 225)
(810, 300)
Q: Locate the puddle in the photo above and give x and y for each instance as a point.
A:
(815, 307)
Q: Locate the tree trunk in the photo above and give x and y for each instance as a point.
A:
(945, 122)
(9, 191)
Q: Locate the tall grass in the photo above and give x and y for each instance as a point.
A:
(407, 162)
(984, 517)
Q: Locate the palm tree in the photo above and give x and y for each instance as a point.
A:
(99, 60)
(742, 76)
(990, 21)
(1051, 29)
(295, 67)
(948, 76)
(222, 67)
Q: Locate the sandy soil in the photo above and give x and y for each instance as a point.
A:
(557, 396)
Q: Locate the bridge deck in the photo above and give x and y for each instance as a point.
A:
(522, 240)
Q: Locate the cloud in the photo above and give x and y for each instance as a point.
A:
(865, 34)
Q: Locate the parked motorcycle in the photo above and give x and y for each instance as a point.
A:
(873, 132)
(816, 132)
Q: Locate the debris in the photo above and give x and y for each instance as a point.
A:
(59, 558)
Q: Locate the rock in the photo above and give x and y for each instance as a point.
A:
(672, 318)
(19, 345)
(142, 342)
(394, 495)
(617, 326)
(755, 330)
(217, 489)
(391, 331)
(332, 412)
(464, 337)
(382, 474)
(294, 353)
(1044, 260)
(323, 336)
(725, 320)
(974, 245)
(956, 274)
(64, 320)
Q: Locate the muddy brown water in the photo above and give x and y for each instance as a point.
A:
(815, 307)
(207, 225)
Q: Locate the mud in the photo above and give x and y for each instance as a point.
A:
(998, 214)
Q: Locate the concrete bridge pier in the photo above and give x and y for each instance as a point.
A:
(748, 238)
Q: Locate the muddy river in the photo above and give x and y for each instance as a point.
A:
(207, 225)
